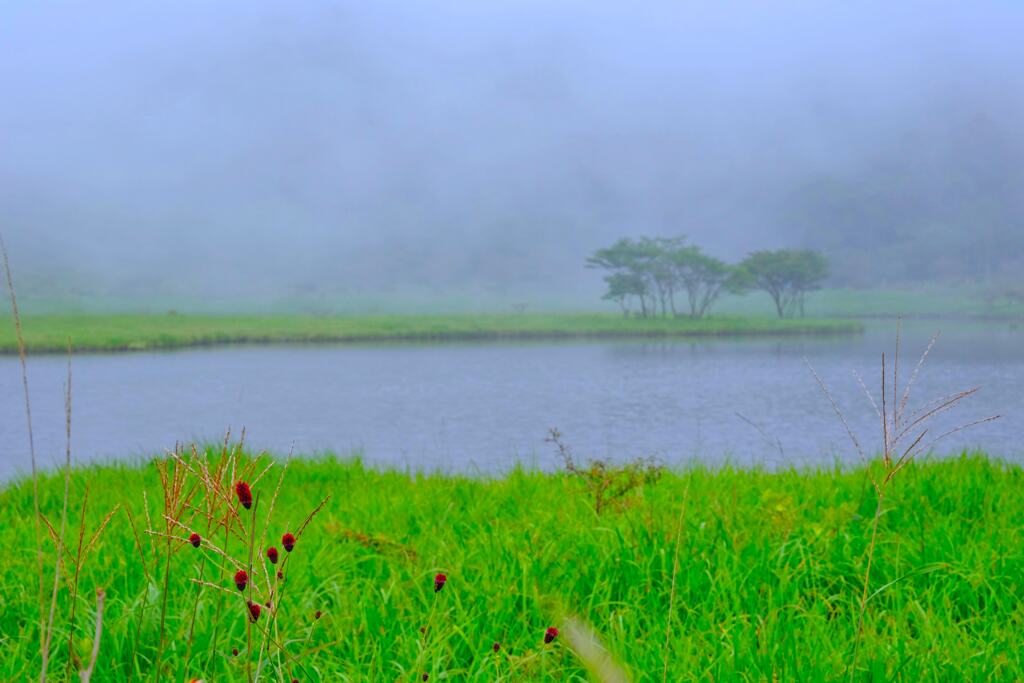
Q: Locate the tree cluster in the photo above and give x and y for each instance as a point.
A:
(665, 276)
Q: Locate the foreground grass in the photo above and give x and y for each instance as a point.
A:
(767, 587)
(139, 332)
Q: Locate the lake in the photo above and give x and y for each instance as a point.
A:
(482, 407)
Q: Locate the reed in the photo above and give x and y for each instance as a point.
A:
(902, 439)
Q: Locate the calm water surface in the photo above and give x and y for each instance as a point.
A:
(482, 407)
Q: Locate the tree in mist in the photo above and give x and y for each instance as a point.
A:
(630, 277)
(653, 271)
(704, 278)
(623, 288)
(787, 275)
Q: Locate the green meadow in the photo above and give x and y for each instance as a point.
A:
(703, 575)
(126, 332)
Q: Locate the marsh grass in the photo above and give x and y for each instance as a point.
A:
(133, 332)
(768, 581)
(903, 438)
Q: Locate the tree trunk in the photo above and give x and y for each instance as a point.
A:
(777, 298)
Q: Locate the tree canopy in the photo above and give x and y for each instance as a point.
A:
(786, 275)
(666, 276)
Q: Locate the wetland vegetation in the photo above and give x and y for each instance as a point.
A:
(703, 574)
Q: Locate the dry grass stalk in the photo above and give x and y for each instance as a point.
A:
(74, 584)
(608, 484)
(177, 492)
(64, 557)
(63, 525)
(31, 441)
(220, 510)
(903, 439)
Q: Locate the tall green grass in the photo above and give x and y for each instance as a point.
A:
(49, 333)
(768, 583)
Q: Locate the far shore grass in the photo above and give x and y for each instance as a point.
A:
(705, 575)
(964, 302)
(137, 332)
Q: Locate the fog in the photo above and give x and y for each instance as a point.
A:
(236, 155)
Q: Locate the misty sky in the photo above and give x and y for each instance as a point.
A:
(220, 149)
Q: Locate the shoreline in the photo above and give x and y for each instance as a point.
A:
(48, 334)
(137, 464)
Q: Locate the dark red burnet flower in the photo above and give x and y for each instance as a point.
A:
(234, 652)
(318, 614)
(254, 611)
(244, 494)
(550, 634)
(272, 554)
(241, 579)
(426, 675)
(195, 539)
(280, 575)
(439, 581)
(496, 647)
(288, 541)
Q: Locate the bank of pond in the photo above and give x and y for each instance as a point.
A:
(131, 332)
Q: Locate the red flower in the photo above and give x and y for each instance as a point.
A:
(280, 575)
(241, 579)
(318, 614)
(195, 540)
(496, 647)
(439, 582)
(550, 634)
(288, 541)
(272, 554)
(254, 611)
(234, 652)
(244, 494)
(425, 675)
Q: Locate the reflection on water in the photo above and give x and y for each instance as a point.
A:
(481, 407)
